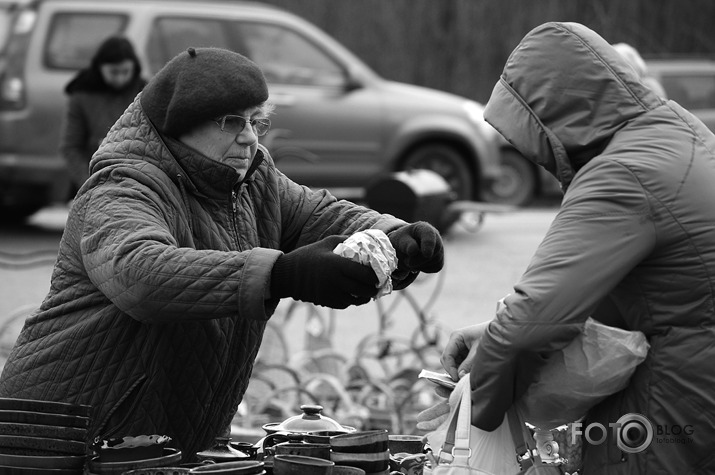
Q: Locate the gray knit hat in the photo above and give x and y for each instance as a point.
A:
(200, 84)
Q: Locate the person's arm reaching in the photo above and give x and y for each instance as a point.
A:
(601, 233)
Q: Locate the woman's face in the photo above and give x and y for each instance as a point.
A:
(117, 75)
(234, 149)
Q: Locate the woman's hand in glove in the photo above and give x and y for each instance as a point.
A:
(419, 248)
(432, 417)
(315, 274)
(401, 278)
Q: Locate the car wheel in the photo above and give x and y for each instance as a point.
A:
(448, 163)
(517, 184)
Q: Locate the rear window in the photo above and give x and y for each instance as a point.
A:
(74, 37)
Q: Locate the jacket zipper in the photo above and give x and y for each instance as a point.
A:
(234, 218)
(234, 224)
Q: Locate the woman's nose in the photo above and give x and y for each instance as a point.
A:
(247, 135)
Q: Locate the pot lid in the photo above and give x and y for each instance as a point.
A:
(222, 451)
(311, 419)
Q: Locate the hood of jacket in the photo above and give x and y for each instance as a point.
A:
(113, 50)
(557, 103)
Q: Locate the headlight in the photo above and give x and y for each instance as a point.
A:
(475, 112)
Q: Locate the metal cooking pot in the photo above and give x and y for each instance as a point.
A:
(310, 420)
(295, 429)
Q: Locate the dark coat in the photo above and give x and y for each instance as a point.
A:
(88, 118)
(633, 245)
(157, 304)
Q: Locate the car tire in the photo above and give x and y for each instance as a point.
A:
(446, 161)
(517, 184)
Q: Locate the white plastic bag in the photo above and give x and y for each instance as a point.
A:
(597, 363)
(492, 452)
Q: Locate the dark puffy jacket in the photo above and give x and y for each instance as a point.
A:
(157, 302)
(633, 245)
(90, 114)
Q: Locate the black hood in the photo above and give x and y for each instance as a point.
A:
(563, 94)
(114, 50)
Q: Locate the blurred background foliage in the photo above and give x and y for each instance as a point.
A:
(460, 46)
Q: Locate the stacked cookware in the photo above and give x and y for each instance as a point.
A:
(37, 436)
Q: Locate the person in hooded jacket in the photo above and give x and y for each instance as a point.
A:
(97, 97)
(632, 245)
(176, 252)
(636, 61)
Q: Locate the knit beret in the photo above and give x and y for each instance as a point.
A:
(201, 84)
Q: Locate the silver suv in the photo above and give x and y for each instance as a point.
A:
(338, 125)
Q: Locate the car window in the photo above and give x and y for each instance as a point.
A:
(287, 57)
(73, 37)
(696, 91)
(5, 19)
(284, 56)
(172, 35)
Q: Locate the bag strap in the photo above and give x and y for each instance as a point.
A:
(522, 438)
(515, 427)
(456, 443)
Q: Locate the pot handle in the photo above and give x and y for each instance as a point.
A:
(276, 438)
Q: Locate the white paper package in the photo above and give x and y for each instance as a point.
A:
(372, 247)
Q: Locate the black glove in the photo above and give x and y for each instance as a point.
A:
(419, 248)
(315, 274)
(402, 277)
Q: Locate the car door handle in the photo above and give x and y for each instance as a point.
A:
(282, 99)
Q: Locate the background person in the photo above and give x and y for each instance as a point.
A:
(175, 254)
(97, 97)
(633, 245)
(636, 61)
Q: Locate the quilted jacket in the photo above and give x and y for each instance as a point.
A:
(157, 304)
(633, 245)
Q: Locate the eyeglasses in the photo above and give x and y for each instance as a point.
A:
(234, 124)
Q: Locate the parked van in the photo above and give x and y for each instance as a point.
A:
(338, 125)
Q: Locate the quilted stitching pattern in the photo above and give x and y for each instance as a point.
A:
(150, 311)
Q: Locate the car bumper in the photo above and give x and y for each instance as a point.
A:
(31, 169)
(23, 175)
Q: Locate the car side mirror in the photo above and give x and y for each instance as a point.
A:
(352, 82)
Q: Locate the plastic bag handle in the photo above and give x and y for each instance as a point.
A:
(456, 442)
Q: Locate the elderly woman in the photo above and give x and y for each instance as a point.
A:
(175, 254)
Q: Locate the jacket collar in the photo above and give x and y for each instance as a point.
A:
(209, 177)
